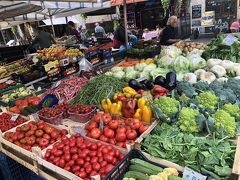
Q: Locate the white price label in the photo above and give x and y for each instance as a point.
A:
(35, 116)
(230, 39)
(14, 117)
(56, 84)
(189, 174)
(101, 125)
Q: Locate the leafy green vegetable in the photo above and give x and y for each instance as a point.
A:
(204, 154)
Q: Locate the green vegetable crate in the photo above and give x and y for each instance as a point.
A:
(122, 167)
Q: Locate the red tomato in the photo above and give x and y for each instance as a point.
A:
(63, 132)
(67, 157)
(113, 124)
(73, 150)
(71, 163)
(39, 133)
(106, 118)
(135, 124)
(120, 137)
(131, 134)
(82, 174)
(103, 138)
(80, 161)
(117, 153)
(99, 144)
(109, 133)
(120, 144)
(95, 133)
(112, 141)
(61, 163)
(121, 129)
(105, 150)
(87, 159)
(143, 128)
(94, 159)
(75, 168)
(114, 161)
(108, 168)
(94, 147)
(97, 117)
(103, 163)
(88, 168)
(75, 157)
(92, 153)
(108, 158)
(96, 166)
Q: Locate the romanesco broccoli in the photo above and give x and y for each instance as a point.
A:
(184, 99)
(167, 105)
(208, 99)
(224, 121)
(187, 120)
(232, 109)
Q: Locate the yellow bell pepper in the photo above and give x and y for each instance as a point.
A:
(129, 90)
(138, 114)
(142, 102)
(106, 105)
(116, 108)
(127, 95)
(146, 114)
(116, 95)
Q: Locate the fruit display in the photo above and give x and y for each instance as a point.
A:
(115, 130)
(83, 157)
(3, 71)
(73, 52)
(53, 52)
(8, 121)
(16, 94)
(34, 134)
(26, 106)
(187, 47)
(8, 85)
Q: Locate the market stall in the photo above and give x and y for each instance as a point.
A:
(169, 113)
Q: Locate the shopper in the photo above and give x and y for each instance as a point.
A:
(119, 35)
(73, 30)
(99, 31)
(169, 33)
(235, 26)
(44, 39)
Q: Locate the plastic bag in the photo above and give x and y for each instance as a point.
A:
(85, 65)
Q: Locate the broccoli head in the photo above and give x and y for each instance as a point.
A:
(215, 85)
(232, 109)
(187, 120)
(184, 87)
(207, 100)
(224, 121)
(233, 84)
(167, 105)
(201, 86)
(226, 95)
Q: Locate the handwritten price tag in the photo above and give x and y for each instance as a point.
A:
(189, 174)
(14, 117)
(230, 39)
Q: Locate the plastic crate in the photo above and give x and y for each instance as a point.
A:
(12, 170)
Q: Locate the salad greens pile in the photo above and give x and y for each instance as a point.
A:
(204, 154)
(220, 50)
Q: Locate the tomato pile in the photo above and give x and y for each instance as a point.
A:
(64, 108)
(116, 131)
(83, 157)
(81, 109)
(49, 112)
(35, 134)
(6, 123)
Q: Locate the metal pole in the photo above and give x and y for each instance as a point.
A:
(125, 21)
(51, 22)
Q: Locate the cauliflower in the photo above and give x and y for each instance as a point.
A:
(232, 109)
(208, 77)
(224, 121)
(218, 70)
(228, 65)
(171, 171)
(167, 105)
(222, 80)
(213, 62)
(187, 120)
(199, 72)
(207, 99)
(236, 69)
(190, 77)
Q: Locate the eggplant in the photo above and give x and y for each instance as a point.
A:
(144, 81)
(171, 80)
(149, 85)
(160, 80)
(135, 84)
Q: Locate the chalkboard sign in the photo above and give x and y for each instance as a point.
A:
(196, 11)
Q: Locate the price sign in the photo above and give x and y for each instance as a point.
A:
(230, 39)
(14, 117)
(79, 130)
(101, 125)
(189, 174)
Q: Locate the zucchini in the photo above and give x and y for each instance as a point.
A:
(174, 178)
(136, 175)
(142, 169)
(24, 112)
(145, 164)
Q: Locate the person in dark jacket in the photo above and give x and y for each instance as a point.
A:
(73, 30)
(119, 35)
(169, 33)
(44, 39)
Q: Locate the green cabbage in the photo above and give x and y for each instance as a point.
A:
(128, 69)
(115, 69)
(195, 51)
(140, 66)
(145, 74)
(132, 75)
(196, 62)
(165, 61)
(158, 72)
(181, 63)
(119, 74)
(150, 67)
(171, 51)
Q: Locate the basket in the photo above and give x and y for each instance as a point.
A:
(122, 167)
(57, 120)
(82, 118)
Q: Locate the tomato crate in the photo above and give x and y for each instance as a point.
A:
(59, 173)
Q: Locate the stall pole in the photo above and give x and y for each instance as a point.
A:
(125, 22)
(51, 22)
(3, 36)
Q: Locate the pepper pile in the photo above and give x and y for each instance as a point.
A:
(130, 104)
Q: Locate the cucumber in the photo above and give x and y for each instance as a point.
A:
(142, 169)
(145, 164)
(174, 178)
(24, 112)
(136, 175)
